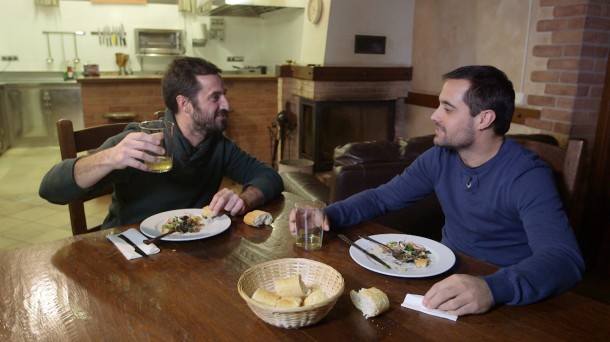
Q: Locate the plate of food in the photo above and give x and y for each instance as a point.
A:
(408, 256)
(187, 224)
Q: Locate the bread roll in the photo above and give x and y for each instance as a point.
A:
(265, 297)
(290, 287)
(370, 301)
(315, 297)
(206, 213)
(289, 302)
(257, 218)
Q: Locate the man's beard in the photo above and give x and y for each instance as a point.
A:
(214, 125)
(460, 140)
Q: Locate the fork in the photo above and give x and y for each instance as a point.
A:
(157, 238)
(395, 254)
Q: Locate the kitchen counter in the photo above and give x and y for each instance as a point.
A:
(155, 78)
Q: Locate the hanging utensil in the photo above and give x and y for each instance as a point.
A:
(49, 58)
(113, 40)
(76, 59)
(123, 35)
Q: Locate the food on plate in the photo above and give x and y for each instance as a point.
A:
(289, 302)
(409, 251)
(265, 297)
(290, 287)
(183, 224)
(316, 296)
(371, 301)
(206, 213)
(257, 218)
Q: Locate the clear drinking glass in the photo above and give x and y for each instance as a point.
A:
(164, 129)
(309, 219)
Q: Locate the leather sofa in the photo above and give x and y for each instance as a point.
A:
(363, 165)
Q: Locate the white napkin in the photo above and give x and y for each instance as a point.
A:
(136, 237)
(414, 302)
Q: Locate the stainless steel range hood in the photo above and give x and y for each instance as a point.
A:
(245, 8)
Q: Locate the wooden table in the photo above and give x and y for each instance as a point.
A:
(83, 289)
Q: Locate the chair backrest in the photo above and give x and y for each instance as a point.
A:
(70, 144)
(567, 164)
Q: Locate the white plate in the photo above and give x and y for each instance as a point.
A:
(152, 226)
(441, 257)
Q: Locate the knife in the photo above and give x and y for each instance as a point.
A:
(372, 256)
(135, 247)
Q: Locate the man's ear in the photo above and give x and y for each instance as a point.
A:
(184, 104)
(486, 119)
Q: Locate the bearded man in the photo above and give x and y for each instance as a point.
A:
(195, 96)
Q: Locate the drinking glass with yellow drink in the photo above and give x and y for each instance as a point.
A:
(165, 130)
(309, 218)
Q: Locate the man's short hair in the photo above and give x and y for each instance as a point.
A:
(491, 89)
(181, 79)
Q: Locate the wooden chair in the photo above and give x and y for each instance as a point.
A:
(567, 167)
(70, 144)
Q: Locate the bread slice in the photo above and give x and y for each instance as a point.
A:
(206, 213)
(371, 301)
(316, 296)
(290, 287)
(258, 218)
(289, 302)
(265, 297)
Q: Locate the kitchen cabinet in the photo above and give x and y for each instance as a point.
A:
(31, 110)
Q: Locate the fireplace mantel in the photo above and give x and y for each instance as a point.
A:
(347, 73)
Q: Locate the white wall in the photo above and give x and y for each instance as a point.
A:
(390, 18)
(269, 40)
(331, 41)
(22, 24)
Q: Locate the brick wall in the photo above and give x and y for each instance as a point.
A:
(254, 105)
(576, 63)
(142, 97)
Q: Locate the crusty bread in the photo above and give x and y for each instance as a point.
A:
(258, 218)
(265, 297)
(206, 213)
(289, 302)
(290, 287)
(371, 302)
(315, 297)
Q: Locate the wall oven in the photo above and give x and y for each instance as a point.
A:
(158, 42)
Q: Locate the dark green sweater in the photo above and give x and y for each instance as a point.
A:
(194, 179)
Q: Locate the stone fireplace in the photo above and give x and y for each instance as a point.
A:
(336, 105)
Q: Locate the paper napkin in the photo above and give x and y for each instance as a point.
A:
(136, 237)
(414, 302)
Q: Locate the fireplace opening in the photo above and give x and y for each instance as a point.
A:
(325, 125)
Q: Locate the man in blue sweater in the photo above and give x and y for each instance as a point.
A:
(500, 201)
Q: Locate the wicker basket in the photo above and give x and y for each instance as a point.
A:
(312, 273)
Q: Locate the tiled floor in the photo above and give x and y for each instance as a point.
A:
(25, 218)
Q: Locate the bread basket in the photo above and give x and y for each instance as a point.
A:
(312, 273)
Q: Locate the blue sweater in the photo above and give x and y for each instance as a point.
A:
(506, 212)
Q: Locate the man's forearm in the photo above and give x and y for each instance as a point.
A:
(252, 198)
(91, 169)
